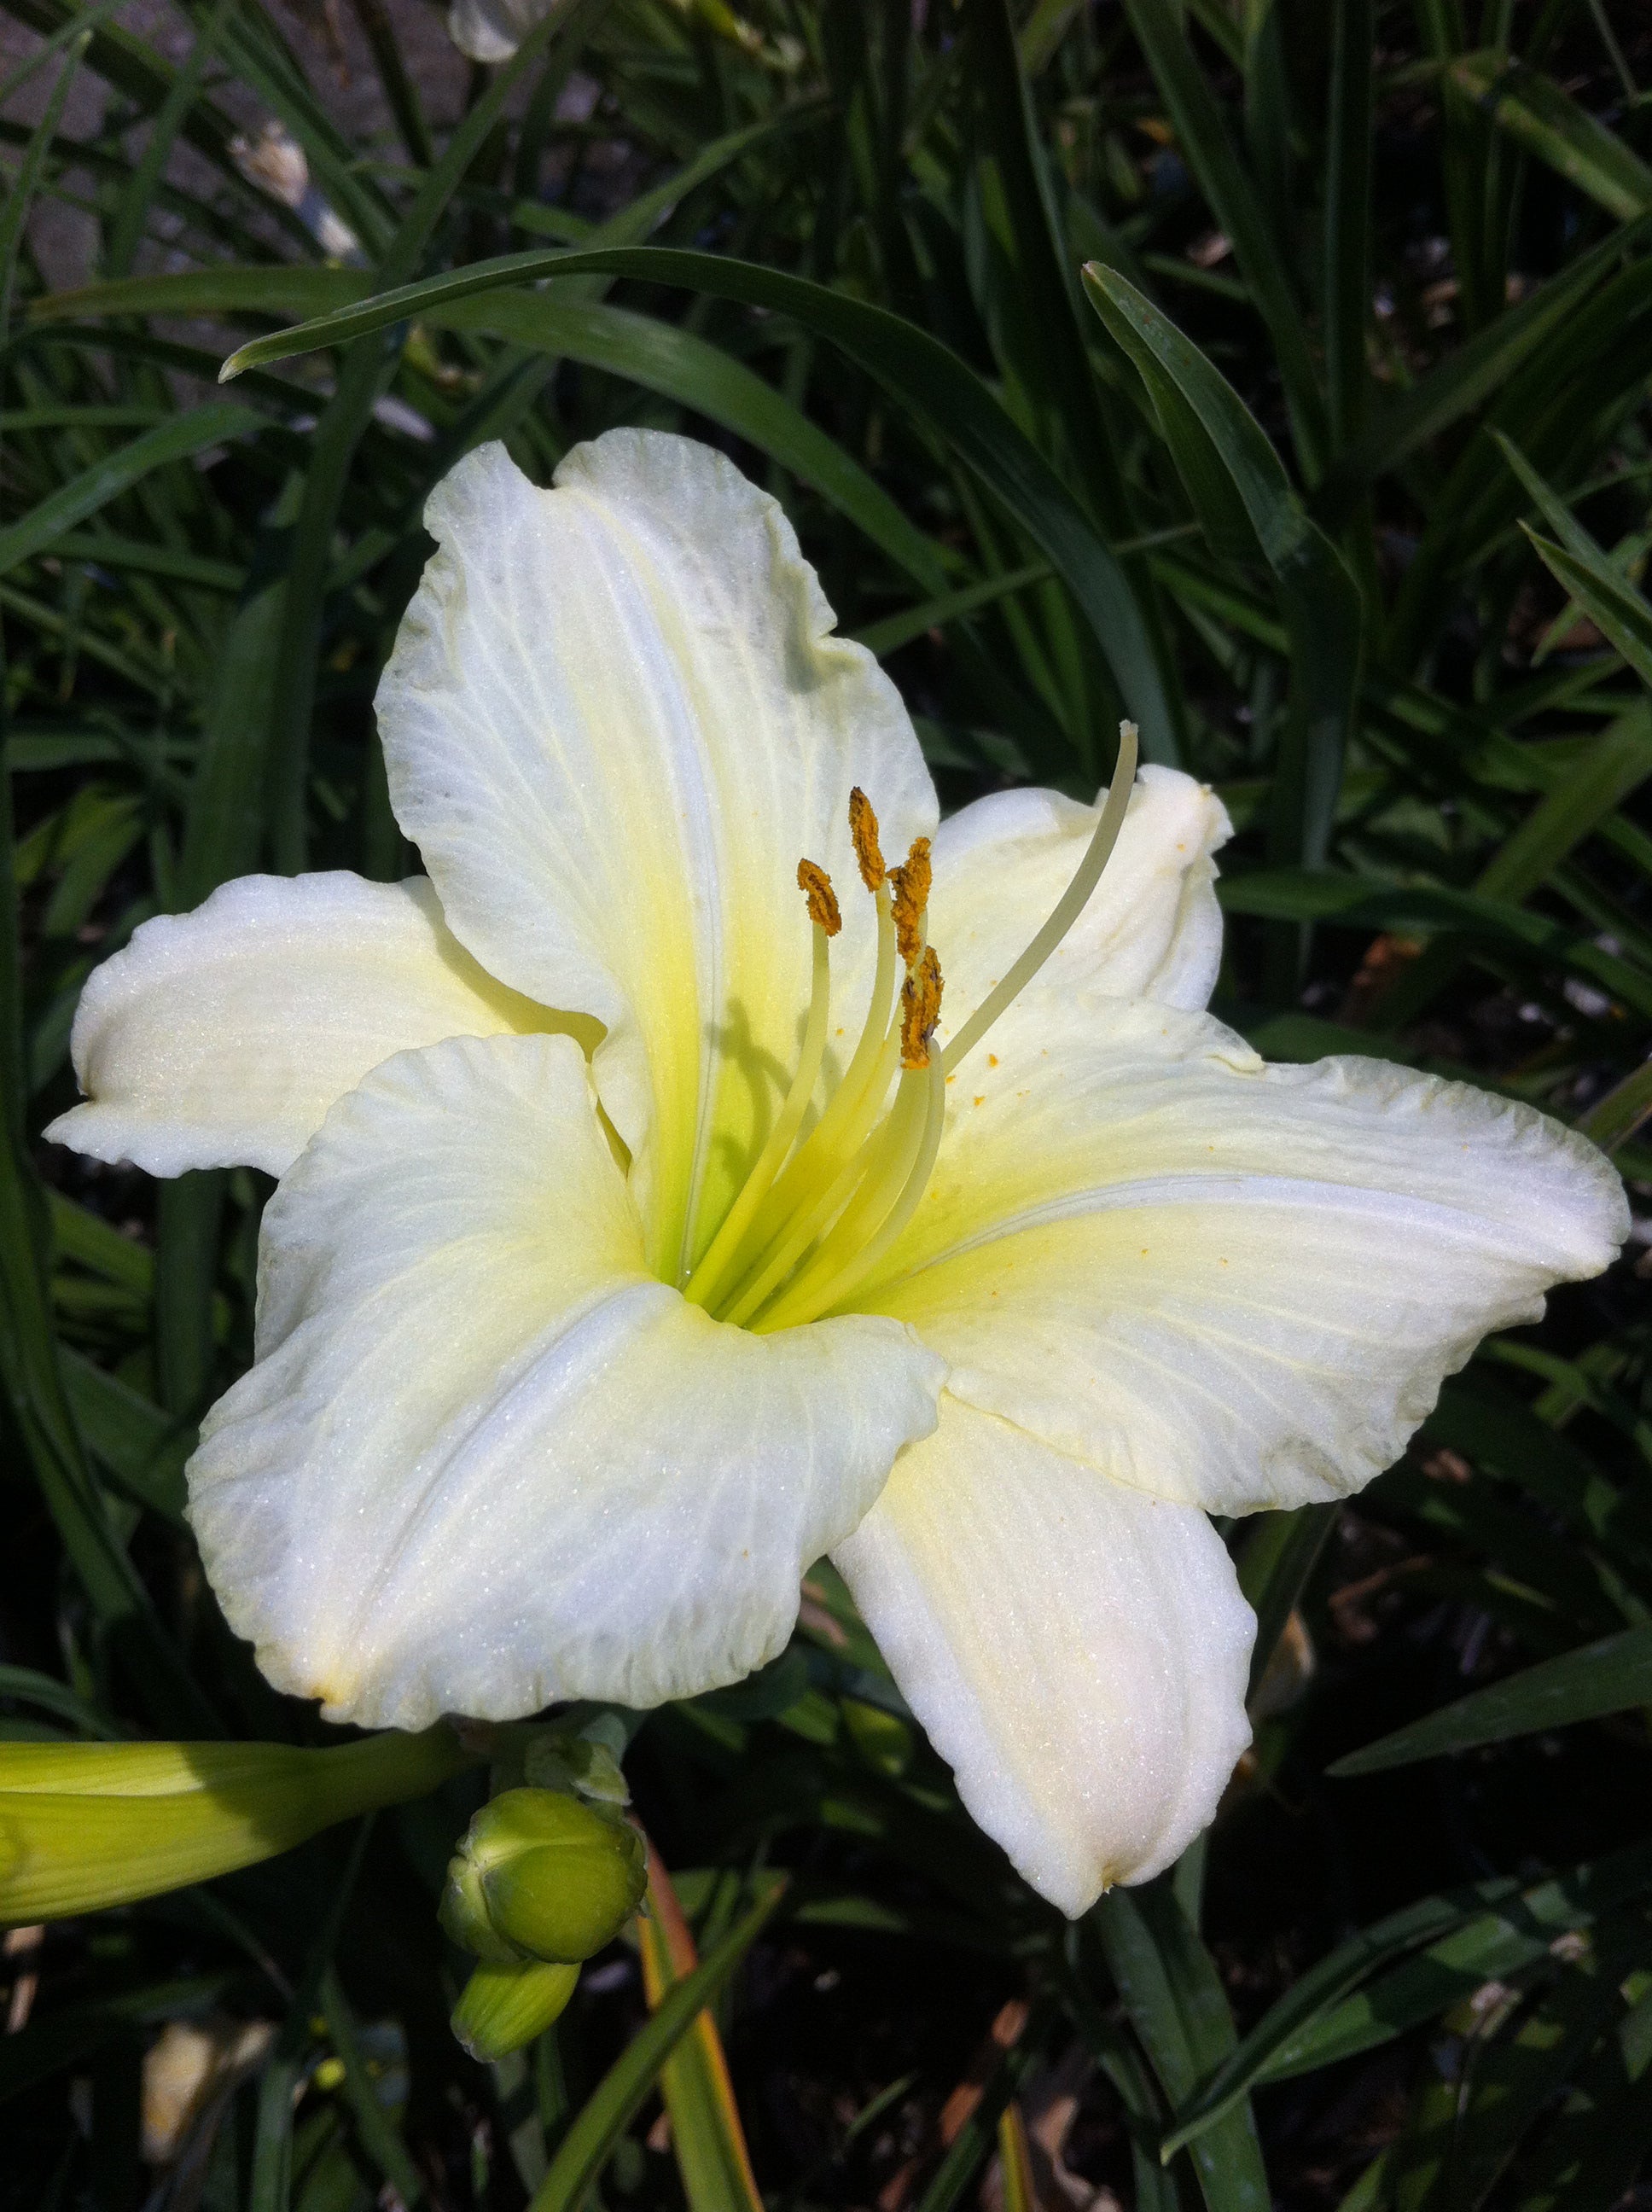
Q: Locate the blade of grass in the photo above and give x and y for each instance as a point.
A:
(127, 232)
(895, 630)
(972, 2145)
(104, 550)
(1046, 332)
(1057, 364)
(1015, 2161)
(376, 2131)
(1280, 1553)
(270, 2183)
(79, 25)
(1428, 911)
(1614, 766)
(1615, 1118)
(134, 68)
(365, 370)
(129, 1436)
(606, 2115)
(662, 358)
(1476, 371)
(225, 289)
(33, 1378)
(401, 92)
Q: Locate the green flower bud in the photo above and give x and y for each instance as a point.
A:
(502, 2007)
(541, 1874)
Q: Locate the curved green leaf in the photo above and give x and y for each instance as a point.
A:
(941, 390)
(230, 287)
(106, 479)
(1532, 108)
(678, 363)
(1347, 2003)
(1174, 1999)
(1239, 486)
(1205, 145)
(589, 2144)
(1608, 1677)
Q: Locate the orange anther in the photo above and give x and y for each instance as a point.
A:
(920, 1009)
(863, 828)
(816, 887)
(910, 884)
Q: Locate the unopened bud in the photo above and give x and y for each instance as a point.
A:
(540, 1875)
(502, 2007)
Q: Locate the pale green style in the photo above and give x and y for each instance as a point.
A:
(637, 1242)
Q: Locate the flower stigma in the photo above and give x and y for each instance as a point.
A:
(818, 1212)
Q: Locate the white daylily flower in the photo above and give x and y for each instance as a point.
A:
(581, 1332)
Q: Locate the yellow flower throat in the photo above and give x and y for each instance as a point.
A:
(817, 1214)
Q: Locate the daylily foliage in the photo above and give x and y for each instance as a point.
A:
(635, 1244)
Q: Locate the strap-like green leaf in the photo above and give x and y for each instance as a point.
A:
(1202, 139)
(1495, 1927)
(105, 480)
(1608, 1677)
(1532, 108)
(589, 2144)
(926, 376)
(664, 358)
(1176, 2003)
(1280, 1553)
(1238, 483)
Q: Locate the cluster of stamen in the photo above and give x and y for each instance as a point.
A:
(819, 1211)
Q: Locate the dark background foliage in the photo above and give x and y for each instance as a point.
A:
(1334, 471)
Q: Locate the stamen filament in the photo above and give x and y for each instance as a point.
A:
(714, 1261)
(810, 1297)
(868, 1050)
(801, 1230)
(853, 1106)
(888, 1164)
(796, 1227)
(1066, 912)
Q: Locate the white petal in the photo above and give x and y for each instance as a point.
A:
(483, 1460)
(220, 1038)
(615, 720)
(1236, 1286)
(1152, 929)
(1076, 1651)
(491, 31)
